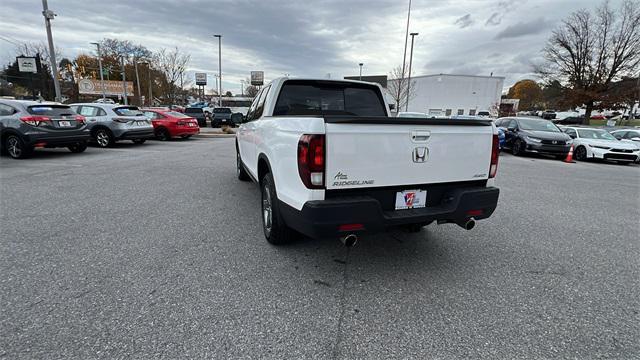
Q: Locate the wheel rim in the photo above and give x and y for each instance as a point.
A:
(13, 147)
(163, 135)
(102, 138)
(581, 153)
(516, 148)
(266, 210)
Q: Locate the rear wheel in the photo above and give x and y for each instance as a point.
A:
(275, 230)
(581, 153)
(103, 138)
(16, 148)
(163, 134)
(139, 141)
(78, 148)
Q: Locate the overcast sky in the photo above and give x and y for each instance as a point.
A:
(306, 38)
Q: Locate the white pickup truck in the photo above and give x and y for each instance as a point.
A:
(332, 163)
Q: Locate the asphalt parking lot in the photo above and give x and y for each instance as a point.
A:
(156, 251)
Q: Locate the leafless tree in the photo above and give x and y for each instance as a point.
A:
(590, 50)
(398, 89)
(251, 90)
(173, 64)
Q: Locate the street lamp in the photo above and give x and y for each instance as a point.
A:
(361, 71)
(242, 88)
(409, 83)
(104, 95)
(219, 68)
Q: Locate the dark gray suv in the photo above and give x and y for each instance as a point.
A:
(26, 125)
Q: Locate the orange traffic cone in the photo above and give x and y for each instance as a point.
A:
(569, 158)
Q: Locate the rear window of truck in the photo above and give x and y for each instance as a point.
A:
(300, 97)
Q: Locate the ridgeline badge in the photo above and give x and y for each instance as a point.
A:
(344, 181)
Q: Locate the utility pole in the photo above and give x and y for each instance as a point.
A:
(149, 102)
(104, 95)
(361, 71)
(406, 108)
(48, 16)
(124, 82)
(242, 88)
(219, 68)
(135, 66)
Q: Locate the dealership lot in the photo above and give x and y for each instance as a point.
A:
(157, 251)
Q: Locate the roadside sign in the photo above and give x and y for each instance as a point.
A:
(257, 78)
(27, 64)
(112, 88)
(201, 78)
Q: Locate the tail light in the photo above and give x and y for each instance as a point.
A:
(120, 120)
(80, 119)
(311, 161)
(180, 123)
(35, 120)
(495, 152)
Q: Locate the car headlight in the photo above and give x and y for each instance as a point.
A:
(535, 140)
(599, 147)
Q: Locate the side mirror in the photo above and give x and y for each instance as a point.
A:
(512, 128)
(572, 136)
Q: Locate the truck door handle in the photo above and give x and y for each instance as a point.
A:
(420, 136)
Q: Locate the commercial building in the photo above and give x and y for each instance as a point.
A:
(446, 94)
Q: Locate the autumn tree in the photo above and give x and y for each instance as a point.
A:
(529, 93)
(591, 50)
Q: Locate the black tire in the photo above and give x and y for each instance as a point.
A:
(139, 141)
(240, 171)
(275, 230)
(580, 153)
(78, 148)
(16, 148)
(516, 148)
(104, 138)
(162, 134)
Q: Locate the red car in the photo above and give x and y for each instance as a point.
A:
(168, 124)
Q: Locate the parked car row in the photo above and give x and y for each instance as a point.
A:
(27, 125)
(534, 135)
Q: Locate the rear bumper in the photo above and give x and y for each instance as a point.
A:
(56, 140)
(322, 218)
(184, 131)
(136, 134)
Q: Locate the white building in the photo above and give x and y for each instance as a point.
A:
(445, 95)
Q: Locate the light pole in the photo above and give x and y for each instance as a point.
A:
(124, 82)
(149, 77)
(409, 82)
(406, 37)
(219, 68)
(104, 95)
(135, 66)
(242, 88)
(48, 16)
(361, 71)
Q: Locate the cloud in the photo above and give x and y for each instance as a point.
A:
(464, 21)
(503, 8)
(494, 19)
(524, 28)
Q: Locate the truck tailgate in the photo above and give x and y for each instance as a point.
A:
(392, 152)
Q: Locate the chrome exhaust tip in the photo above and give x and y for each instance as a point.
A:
(349, 240)
(468, 225)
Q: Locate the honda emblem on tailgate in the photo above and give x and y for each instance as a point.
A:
(420, 154)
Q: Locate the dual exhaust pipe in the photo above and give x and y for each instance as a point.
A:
(351, 240)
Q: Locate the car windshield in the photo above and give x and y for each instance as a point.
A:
(222, 111)
(595, 134)
(128, 111)
(537, 125)
(176, 114)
